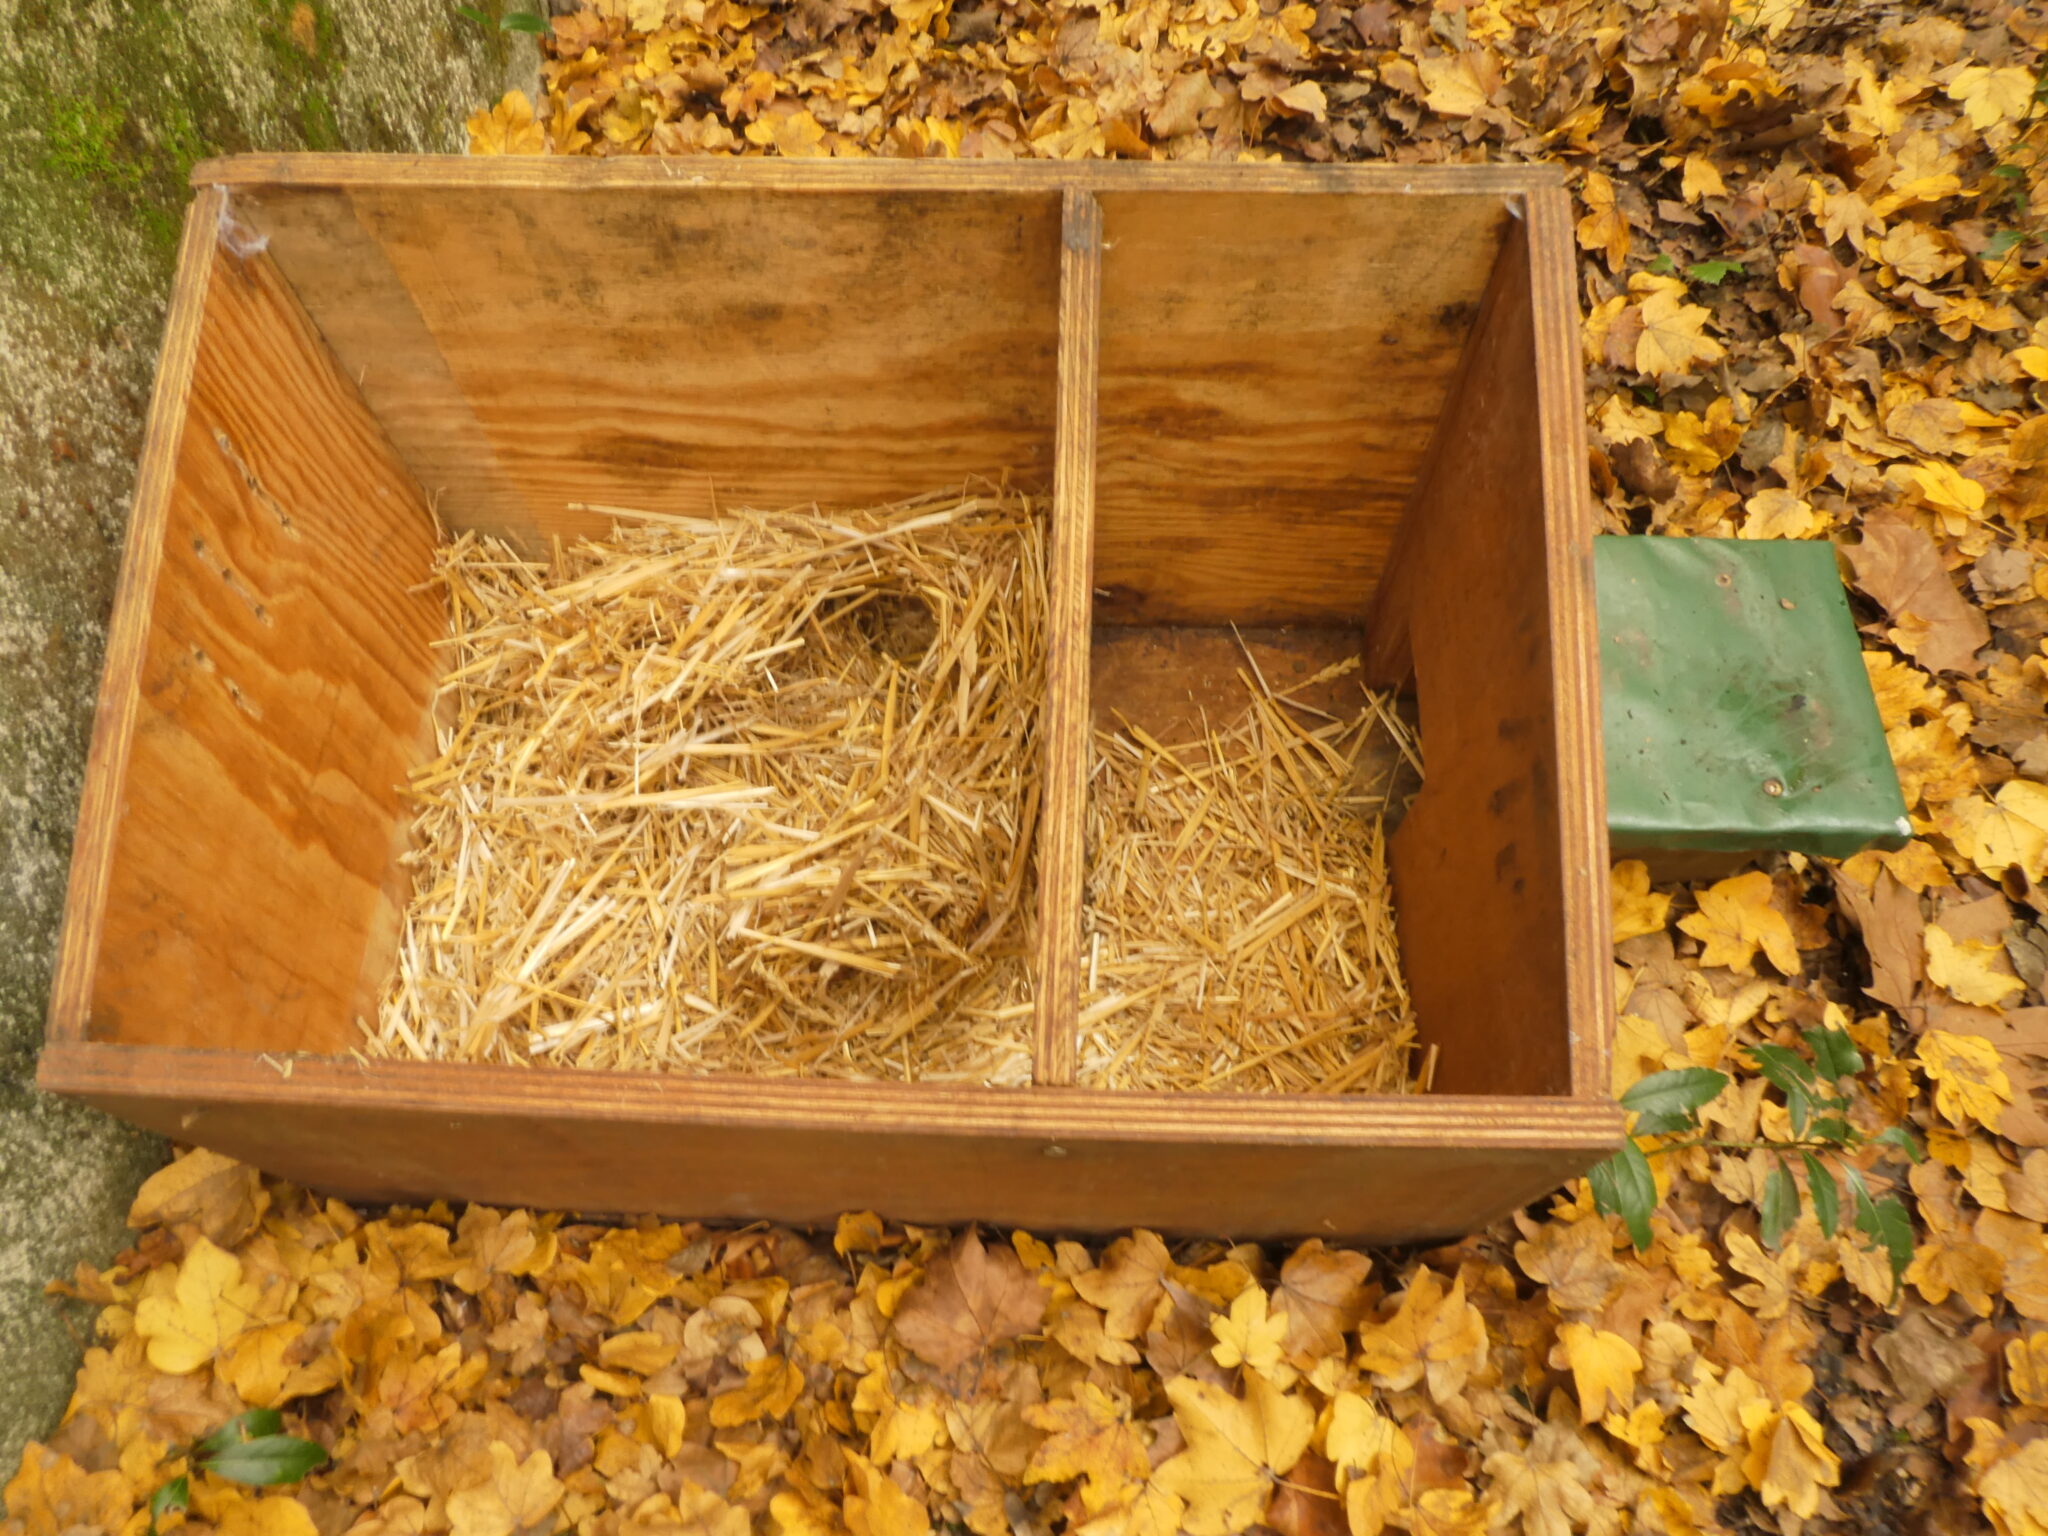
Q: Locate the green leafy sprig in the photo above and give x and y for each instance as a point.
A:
(1668, 1104)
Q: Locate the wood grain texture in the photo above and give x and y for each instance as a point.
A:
(252, 892)
(1063, 721)
(1499, 878)
(1053, 1159)
(532, 349)
(1271, 369)
(655, 174)
(113, 725)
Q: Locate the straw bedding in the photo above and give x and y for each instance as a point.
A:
(1238, 930)
(753, 795)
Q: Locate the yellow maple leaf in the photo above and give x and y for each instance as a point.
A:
(1992, 96)
(256, 1364)
(1779, 514)
(772, 1387)
(876, 1506)
(1673, 343)
(1701, 444)
(518, 1494)
(1603, 1367)
(1947, 489)
(209, 1304)
(507, 128)
(274, 1515)
(1449, 1512)
(1356, 1437)
(1248, 1335)
(1453, 89)
(1966, 969)
(1714, 1403)
(1433, 1333)
(1700, 178)
(51, 1492)
(2015, 1491)
(643, 1352)
(1788, 1461)
(1603, 228)
(1089, 1436)
(1735, 919)
(1637, 909)
(1970, 1085)
(2008, 831)
(794, 1516)
(1953, 1263)
(2026, 1369)
(857, 1232)
(1235, 1448)
(694, 1511)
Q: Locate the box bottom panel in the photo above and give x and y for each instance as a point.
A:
(1379, 1170)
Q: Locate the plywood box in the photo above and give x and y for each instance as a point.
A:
(1312, 400)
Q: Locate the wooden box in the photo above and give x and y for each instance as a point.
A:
(1317, 400)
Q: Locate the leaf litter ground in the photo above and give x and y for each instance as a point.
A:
(1812, 282)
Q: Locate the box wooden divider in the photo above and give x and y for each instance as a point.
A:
(1340, 405)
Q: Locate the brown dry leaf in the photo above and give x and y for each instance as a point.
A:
(1128, 1284)
(1321, 1297)
(1898, 565)
(971, 1299)
(224, 1199)
(518, 1496)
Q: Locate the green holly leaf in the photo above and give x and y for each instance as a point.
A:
(1784, 1068)
(173, 1496)
(1898, 1136)
(1826, 1197)
(265, 1461)
(1885, 1222)
(253, 1424)
(522, 21)
(1668, 1101)
(2004, 242)
(1780, 1205)
(1624, 1186)
(1834, 1053)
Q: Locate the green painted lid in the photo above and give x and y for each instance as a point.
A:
(1738, 714)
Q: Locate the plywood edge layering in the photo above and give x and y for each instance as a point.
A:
(654, 173)
(1065, 727)
(245, 1050)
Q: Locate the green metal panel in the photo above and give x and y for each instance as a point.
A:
(1738, 714)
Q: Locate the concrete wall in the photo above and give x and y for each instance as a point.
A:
(104, 106)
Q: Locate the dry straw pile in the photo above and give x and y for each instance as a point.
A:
(753, 795)
(1238, 928)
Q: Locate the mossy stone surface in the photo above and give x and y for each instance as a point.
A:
(105, 106)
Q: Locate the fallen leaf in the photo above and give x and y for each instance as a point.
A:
(1735, 919)
(971, 1299)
